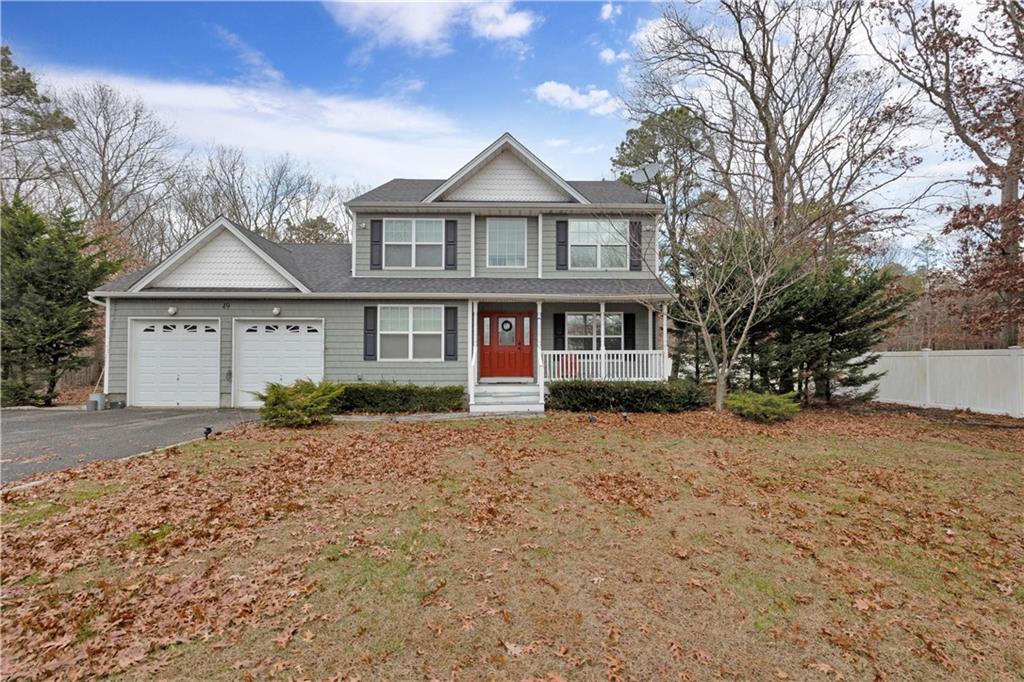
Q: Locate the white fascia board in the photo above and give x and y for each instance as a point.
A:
(482, 296)
(506, 140)
(200, 239)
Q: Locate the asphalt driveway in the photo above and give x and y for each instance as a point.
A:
(32, 441)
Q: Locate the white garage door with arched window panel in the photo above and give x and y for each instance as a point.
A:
(174, 363)
(275, 351)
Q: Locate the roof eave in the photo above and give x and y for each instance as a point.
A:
(440, 207)
(376, 295)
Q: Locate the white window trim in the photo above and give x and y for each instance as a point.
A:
(597, 329)
(600, 248)
(384, 245)
(410, 333)
(526, 247)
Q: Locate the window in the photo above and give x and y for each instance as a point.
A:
(414, 243)
(410, 332)
(583, 330)
(598, 244)
(506, 242)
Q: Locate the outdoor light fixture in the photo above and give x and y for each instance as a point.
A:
(275, 312)
(172, 310)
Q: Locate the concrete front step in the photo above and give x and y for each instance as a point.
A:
(507, 389)
(479, 408)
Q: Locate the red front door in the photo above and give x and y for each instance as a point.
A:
(506, 345)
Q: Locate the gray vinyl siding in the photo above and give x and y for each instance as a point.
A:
(648, 244)
(362, 248)
(531, 250)
(643, 320)
(343, 339)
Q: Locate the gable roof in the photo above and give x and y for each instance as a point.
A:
(276, 256)
(504, 143)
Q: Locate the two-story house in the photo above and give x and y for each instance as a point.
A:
(500, 278)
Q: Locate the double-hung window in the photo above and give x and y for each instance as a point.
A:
(415, 243)
(410, 332)
(506, 242)
(598, 244)
(583, 331)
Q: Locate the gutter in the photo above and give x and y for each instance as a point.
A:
(466, 206)
(378, 295)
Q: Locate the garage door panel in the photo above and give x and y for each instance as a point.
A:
(174, 363)
(275, 351)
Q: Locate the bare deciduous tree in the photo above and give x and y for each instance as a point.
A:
(797, 136)
(115, 165)
(973, 78)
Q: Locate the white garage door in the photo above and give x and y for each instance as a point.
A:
(278, 351)
(174, 363)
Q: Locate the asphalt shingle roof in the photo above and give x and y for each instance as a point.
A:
(327, 268)
(415, 190)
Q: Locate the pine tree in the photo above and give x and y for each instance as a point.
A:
(48, 267)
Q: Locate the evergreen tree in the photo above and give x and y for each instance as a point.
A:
(48, 267)
(821, 332)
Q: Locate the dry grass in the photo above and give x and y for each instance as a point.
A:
(847, 546)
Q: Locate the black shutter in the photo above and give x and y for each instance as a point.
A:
(370, 332)
(559, 321)
(451, 241)
(376, 244)
(451, 332)
(629, 331)
(635, 244)
(562, 247)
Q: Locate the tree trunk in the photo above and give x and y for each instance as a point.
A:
(1010, 233)
(721, 383)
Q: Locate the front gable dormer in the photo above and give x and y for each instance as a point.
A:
(220, 257)
(506, 172)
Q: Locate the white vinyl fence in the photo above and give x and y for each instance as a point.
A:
(989, 381)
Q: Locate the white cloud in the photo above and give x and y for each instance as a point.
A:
(369, 140)
(609, 11)
(556, 142)
(591, 99)
(429, 26)
(260, 68)
(610, 56)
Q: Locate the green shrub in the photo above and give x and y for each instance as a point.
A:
(766, 408)
(388, 398)
(304, 403)
(625, 396)
(18, 392)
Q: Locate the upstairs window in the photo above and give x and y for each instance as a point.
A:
(506, 242)
(598, 244)
(415, 243)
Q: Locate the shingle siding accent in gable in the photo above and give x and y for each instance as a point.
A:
(224, 261)
(362, 254)
(506, 177)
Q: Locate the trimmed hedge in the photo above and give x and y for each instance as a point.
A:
(307, 403)
(388, 398)
(304, 403)
(625, 396)
(766, 408)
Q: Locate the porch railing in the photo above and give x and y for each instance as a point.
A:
(608, 365)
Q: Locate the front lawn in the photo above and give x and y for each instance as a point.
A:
(687, 546)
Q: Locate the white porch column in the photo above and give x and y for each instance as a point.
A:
(472, 245)
(538, 349)
(540, 250)
(664, 341)
(471, 360)
(601, 341)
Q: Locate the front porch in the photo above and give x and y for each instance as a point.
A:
(516, 348)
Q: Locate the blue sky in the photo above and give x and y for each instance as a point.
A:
(364, 91)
